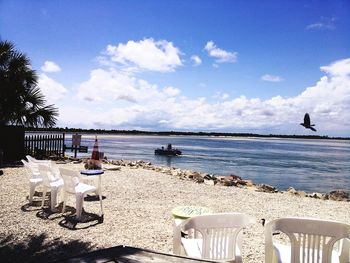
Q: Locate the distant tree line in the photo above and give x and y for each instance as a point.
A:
(168, 133)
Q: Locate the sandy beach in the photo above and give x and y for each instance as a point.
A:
(137, 212)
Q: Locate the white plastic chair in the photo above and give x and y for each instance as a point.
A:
(50, 180)
(311, 241)
(73, 186)
(212, 237)
(34, 178)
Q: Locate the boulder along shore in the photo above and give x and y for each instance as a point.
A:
(137, 204)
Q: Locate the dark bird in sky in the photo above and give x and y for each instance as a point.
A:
(307, 123)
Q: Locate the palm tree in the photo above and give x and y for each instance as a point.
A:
(21, 101)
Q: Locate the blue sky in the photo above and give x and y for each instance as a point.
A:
(231, 66)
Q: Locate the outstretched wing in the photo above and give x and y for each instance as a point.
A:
(312, 128)
(307, 119)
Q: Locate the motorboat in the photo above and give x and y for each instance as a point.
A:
(169, 151)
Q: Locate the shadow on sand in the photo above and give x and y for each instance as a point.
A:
(38, 248)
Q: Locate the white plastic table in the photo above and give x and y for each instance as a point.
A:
(184, 212)
(94, 175)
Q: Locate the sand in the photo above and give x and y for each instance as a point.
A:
(137, 212)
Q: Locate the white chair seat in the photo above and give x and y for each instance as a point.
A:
(57, 183)
(284, 253)
(193, 247)
(36, 180)
(84, 188)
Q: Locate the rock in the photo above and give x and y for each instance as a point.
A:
(316, 195)
(241, 182)
(324, 197)
(339, 195)
(266, 188)
(249, 183)
(1, 172)
(197, 177)
(301, 194)
(176, 172)
(209, 182)
(291, 190)
(229, 182)
(235, 177)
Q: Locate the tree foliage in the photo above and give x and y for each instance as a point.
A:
(21, 101)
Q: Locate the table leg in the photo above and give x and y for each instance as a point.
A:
(100, 192)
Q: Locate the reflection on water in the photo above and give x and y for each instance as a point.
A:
(310, 165)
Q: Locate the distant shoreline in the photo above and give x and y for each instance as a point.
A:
(170, 133)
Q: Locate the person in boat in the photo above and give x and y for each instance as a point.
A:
(169, 146)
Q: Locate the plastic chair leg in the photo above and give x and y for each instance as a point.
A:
(44, 195)
(31, 192)
(100, 197)
(79, 205)
(64, 202)
(53, 199)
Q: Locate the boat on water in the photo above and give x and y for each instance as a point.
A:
(169, 151)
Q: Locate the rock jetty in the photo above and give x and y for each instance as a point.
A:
(231, 180)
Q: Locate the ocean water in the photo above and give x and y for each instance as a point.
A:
(309, 165)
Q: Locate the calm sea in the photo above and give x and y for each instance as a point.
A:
(309, 165)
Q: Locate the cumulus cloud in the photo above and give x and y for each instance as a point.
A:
(147, 54)
(50, 66)
(338, 68)
(324, 23)
(171, 91)
(151, 107)
(106, 85)
(196, 60)
(52, 90)
(271, 78)
(220, 55)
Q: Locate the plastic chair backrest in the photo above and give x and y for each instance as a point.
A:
(32, 169)
(220, 233)
(46, 173)
(312, 240)
(70, 178)
(55, 170)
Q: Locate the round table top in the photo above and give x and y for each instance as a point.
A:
(184, 212)
(91, 172)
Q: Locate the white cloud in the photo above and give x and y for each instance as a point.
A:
(171, 92)
(52, 90)
(324, 23)
(113, 85)
(338, 68)
(146, 54)
(221, 55)
(271, 78)
(151, 107)
(196, 60)
(50, 66)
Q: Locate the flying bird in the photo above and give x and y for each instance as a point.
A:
(307, 123)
